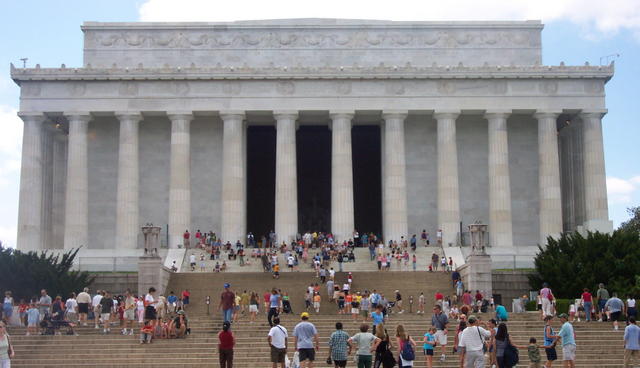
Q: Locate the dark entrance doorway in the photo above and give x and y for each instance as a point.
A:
(261, 179)
(313, 147)
(367, 186)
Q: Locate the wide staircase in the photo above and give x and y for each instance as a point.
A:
(598, 344)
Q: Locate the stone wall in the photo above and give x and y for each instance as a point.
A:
(115, 282)
(510, 285)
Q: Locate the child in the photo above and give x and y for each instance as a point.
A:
(429, 343)
(33, 316)
(276, 271)
(414, 262)
(534, 353)
(203, 264)
(22, 310)
(572, 312)
(146, 333)
(420, 298)
(217, 267)
(316, 302)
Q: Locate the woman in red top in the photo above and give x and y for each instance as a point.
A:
(587, 303)
(185, 298)
(225, 347)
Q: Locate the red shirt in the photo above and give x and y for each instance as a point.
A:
(267, 297)
(586, 297)
(439, 296)
(478, 296)
(227, 298)
(226, 340)
(186, 235)
(186, 294)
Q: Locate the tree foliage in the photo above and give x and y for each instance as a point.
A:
(573, 262)
(25, 274)
(633, 224)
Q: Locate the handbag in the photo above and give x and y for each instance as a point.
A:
(511, 355)
(484, 345)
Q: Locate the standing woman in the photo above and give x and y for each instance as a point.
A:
(7, 307)
(500, 343)
(402, 339)
(6, 349)
(225, 347)
(253, 306)
(384, 356)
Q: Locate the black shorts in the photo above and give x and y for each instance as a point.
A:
(150, 312)
(307, 354)
(551, 353)
(340, 363)
(428, 352)
(615, 316)
(83, 307)
(277, 355)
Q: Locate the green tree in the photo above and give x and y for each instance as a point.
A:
(573, 262)
(25, 274)
(633, 224)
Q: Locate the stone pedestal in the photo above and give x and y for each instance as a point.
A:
(152, 273)
(151, 239)
(476, 274)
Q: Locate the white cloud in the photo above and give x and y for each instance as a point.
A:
(621, 191)
(592, 16)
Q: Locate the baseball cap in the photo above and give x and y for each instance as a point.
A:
(564, 315)
(472, 319)
(304, 315)
(227, 285)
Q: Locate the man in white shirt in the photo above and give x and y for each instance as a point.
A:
(278, 343)
(84, 300)
(332, 274)
(95, 303)
(472, 341)
(192, 261)
(72, 308)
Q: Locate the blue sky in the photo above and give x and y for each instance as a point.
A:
(576, 31)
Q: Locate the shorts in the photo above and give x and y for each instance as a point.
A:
(551, 354)
(428, 352)
(354, 310)
(441, 337)
(277, 355)
(150, 312)
(83, 307)
(253, 308)
(569, 352)
(307, 354)
(340, 304)
(364, 313)
(615, 316)
(340, 363)
(129, 315)
(185, 300)
(316, 304)
(105, 317)
(193, 264)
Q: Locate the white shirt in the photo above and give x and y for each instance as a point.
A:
(83, 298)
(332, 273)
(290, 260)
(470, 338)
(346, 287)
(631, 303)
(140, 305)
(192, 258)
(96, 300)
(278, 335)
(149, 299)
(71, 305)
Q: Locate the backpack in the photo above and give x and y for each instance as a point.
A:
(407, 352)
(511, 356)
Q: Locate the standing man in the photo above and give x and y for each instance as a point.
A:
(434, 261)
(439, 320)
(129, 312)
(186, 238)
(305, 337)
(83, 299)
(602, 295)
(227, 302)
(44, 304)
(631, 344)
(547, 297)
(568, 342)
(278, 343)
(95, 304)
(106, 307)
(274, 306)
(614, 306)
(472, 340)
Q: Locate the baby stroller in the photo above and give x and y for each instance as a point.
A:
(286, 307)
(389, 308)
(51, 326)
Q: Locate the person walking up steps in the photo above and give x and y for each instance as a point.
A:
(227, 303)
(366, 343)
(277, 339)
(338, 346)
(439, 320)
(305, 338)
(631, 342)
(568, 342)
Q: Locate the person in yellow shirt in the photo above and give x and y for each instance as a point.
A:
(316, 301)
(276, 271)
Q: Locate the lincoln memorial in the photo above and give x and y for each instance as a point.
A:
(310, 125)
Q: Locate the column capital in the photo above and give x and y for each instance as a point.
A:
(497, 114)
(541, 114)
(395, 114)
(80, 116)
(232, 115)
(593, 114)
(128, 115)
(32, 116)
(341, 114)
(446, 114)
(285, 114)
(180, 115)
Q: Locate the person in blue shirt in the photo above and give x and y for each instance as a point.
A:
(631, 344)
(429, 343)
(501, 313)
(568, 341)
(172, 299)
(377, 316)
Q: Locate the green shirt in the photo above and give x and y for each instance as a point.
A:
(534, 353)
(365, 341)
(603, 294)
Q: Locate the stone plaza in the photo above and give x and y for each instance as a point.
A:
(215, 126)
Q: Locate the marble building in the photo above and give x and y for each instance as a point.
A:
(458, 122)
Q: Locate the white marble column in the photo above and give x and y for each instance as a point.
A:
(342, 215)
(60, 141)
(549, 176)
(395, 181)
(500, 226)
(30, 205)
(234, 222)
(286, 216)
(448, 186)
(595, 184)
(127, 206)
(180, 181)
(76, 224)
(46, 227)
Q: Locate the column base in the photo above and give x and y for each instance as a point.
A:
(603, 226)
(476, 273)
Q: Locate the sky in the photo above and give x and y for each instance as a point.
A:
(48, 33)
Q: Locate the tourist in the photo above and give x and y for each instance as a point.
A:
(602, 295)
(274, 306)
(227, 303)
(406, 348)
(384, 357)
(443, 264)
(428, 343)
(129, 312)
(180, 325)
(277, 339)
(500, 345)
(106, 307)
(550, 342)
(225, 345)
(587, 303)
(6, 348)
(253, 306)
(286, 303)
(414, 262)
(71, 306)
(22, 311)
(366, 343)
(630, 310)
(150, 305)
(192, 261)
(421, 303)
(472, 340)
(355, 305)
(7, 307)
(330, 289)
(33, 318)
(568, 342)
(501, 313)
(399, 302)
(613, 308)
(533, 353)
(265, 298)
(316, 301)
(140, 309)
(631, 343)
(439, 320)
(305, 338)
(146, 332)
(84, 300)
(186, 238)
(547, 299)
(365, 305)
(172, 300)
(44, 304)
(338, 345)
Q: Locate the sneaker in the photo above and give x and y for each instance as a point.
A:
(97, 327)
(131, 332)
(123, 332)
(443, 357)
